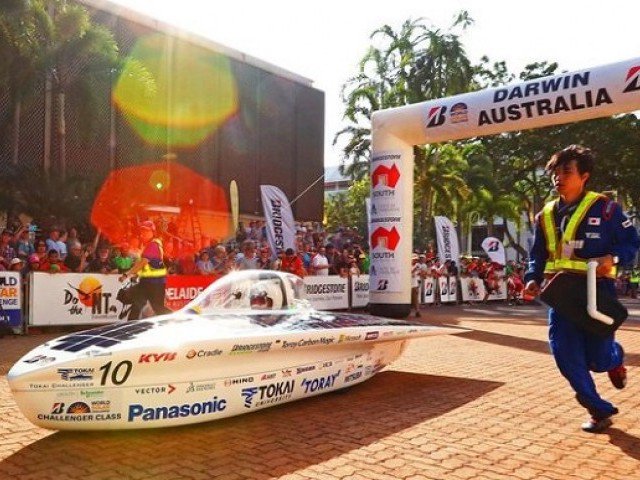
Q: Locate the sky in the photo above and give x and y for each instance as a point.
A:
(324, 41)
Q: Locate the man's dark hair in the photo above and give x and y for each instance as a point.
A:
(582, 155)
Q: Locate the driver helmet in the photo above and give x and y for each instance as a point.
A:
(265, 295)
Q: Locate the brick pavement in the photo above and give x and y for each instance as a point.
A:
(486, 404)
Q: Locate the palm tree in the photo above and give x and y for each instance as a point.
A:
(417, 63)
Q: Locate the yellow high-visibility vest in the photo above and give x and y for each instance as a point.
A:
(148, 271)
(558, 260)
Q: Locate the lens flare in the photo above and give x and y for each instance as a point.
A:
(188, 209)
(175, 93)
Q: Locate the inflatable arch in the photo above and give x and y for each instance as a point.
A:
(564, 98)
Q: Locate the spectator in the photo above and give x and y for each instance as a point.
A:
(292, 263)
(204, 265)
(354, 270)
(41, 250)
(219, 260)
(76, 260)
(7, 252)
(320, 263)
(72, 238)
(249, 259)
(24, 245)
(187, 265)
(33, 263)
(121, 260)
(416, 277)
(54, 243)
(102, 263)
(332, 257)
(53, 263)
(264, 260)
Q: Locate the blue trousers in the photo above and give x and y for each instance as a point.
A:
(577, 353)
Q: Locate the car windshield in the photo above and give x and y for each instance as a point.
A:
(257, 290)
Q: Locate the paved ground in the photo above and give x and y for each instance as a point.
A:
(486, 404)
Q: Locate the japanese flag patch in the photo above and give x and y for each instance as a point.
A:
(626, 223)
(593, 221)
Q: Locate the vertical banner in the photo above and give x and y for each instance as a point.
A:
(443, 285)
(453, 289)
(495, 249)
(235, 205)
(11, 298)
(429, 290)
(280, 226)
(385, 225)
(448, 248)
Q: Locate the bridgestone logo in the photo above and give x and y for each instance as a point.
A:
(251, 347)
(276, 217)
(325, 288)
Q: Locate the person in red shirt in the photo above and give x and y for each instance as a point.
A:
(292, 263)
(52, 263)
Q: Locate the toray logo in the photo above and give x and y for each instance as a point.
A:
(634, 75)
(383, 238)
(385, 176)
(436, 116)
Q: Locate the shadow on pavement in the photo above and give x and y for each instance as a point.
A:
(274, 441)
(625, 442)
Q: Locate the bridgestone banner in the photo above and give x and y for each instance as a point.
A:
(359, 291)
(327, 293)
(281, 231)
(429, 290)
(448, 248)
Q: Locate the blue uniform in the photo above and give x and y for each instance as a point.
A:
(605, 229)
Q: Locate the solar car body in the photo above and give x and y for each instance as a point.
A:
(226, 353)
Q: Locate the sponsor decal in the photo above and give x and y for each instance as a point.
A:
(632, 79)
(146, 414)
(359, 286)
(352, 377)
(592, 235)
(200, 387)
(154, 390)
(203, 353)
(319, 384)
(91, 393)
(80, 412)
(349, 338)
(251, 347)
(267, 394)
(286, 373)
(40, 359)
(387, 334)
(384, 176)
(157, 357)
(385, 156)
(435, 117)
(308, 342)
(268, 376)
(459, 113)
(76, 374)
(237, 381)
(308, 368)
(371, 335)
(88, 294)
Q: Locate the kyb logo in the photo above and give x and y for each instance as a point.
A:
(436, 117)
(385, 176)
(157, 357)
(633, 79)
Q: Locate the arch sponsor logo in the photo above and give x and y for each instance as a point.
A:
(436, 116)
(384, 176)
(459, 113)
(384, 242)
(633, 79)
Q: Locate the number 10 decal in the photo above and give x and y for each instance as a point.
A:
(118, 376)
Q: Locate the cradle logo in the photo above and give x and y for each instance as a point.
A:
(385, 176)
(436, 117)
(634, 75)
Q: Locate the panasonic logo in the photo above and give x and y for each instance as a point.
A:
(137, 411)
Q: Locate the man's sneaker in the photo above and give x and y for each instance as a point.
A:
(595, 425)
(618, 377)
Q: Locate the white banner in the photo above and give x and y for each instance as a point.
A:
(74, 299)
(11, 298)
(495, 249)
(327, 293)
(429, 290)
(501, 293)
(453, 289)
(448, 248)
(281, 232)
(360, 291)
